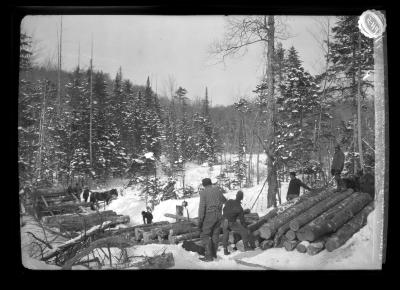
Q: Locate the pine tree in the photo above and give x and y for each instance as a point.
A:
(296, 112)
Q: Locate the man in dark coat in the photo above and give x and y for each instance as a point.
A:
(232, 211)
(337, 165)
(294, 187)
(86, 193)
(210, 208)
(147, 217)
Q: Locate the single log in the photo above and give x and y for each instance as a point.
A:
(290, 245)
(302, 246)
(281, 231)
(357, 202)
(290, 235)
(181, 218)
(178, 228)
(266, 244)
(348, 229)
(149, 236)
(318, 209)
(88, 223)
(189, 236)
(315, 248)
(51, 191)
(268, 230)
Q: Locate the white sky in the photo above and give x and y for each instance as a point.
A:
(160, 46)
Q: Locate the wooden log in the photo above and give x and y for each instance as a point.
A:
(318, 209)
(290, 235)
(67, 206)
(80, 226)
(302, 246)
(266, 244)
(348, 229)
(178, 228)
(315, 248)
(149, 236)
(50, 191)
(280, 232)
(75, 217)
(290, 245)
(188, 236)
(253, 227)
(181, 218)
(356, 203)
(269, 229)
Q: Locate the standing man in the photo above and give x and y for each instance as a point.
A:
(232, 211)
(337, 166)
(210, 208)
(294, 187)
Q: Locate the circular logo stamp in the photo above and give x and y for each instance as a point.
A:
(372, 23)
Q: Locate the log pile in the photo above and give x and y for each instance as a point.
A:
(323, 220)
(56, 200)
(82, 222)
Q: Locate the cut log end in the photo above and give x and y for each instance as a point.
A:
(294, 225)
(290, 235)
(290, 245)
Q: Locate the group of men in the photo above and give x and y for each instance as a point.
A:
(216, 213)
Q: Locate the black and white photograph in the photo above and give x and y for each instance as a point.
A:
(203, 142)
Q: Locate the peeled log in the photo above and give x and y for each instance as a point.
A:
(347, 230)
(346, 212)
(269, 229)
(318, 209)
(290, 245)
(302, 246)
(82, 225)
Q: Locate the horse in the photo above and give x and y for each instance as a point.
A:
(106, 196)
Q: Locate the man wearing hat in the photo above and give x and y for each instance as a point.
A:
(210, 215)
(232, 211)
(337, 165)
(294, 187)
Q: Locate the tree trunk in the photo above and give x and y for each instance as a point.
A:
(269, 229)
(346, 210)
(271, 174)
(360, 151)
(318, 209)
(266, 244)
(341, 236)
(258, 167)
(177, 228)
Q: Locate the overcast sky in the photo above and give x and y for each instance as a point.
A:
(163, 46)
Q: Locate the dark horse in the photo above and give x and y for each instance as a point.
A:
(106, 196)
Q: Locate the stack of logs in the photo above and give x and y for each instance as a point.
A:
(325, 220)
(56, 200)
(83, 222)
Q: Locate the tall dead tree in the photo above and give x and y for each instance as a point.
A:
(240, 34)
(59, 70)
(91, 107)
(360, 151)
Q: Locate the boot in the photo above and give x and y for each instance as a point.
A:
(206, 259)
(226, 252)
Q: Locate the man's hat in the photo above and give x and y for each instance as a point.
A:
(337, 146)
(292, 173)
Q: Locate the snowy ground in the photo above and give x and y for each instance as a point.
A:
(355, 254)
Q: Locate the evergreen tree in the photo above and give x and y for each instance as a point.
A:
(296, 112)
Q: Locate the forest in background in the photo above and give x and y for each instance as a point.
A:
(86, 123)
